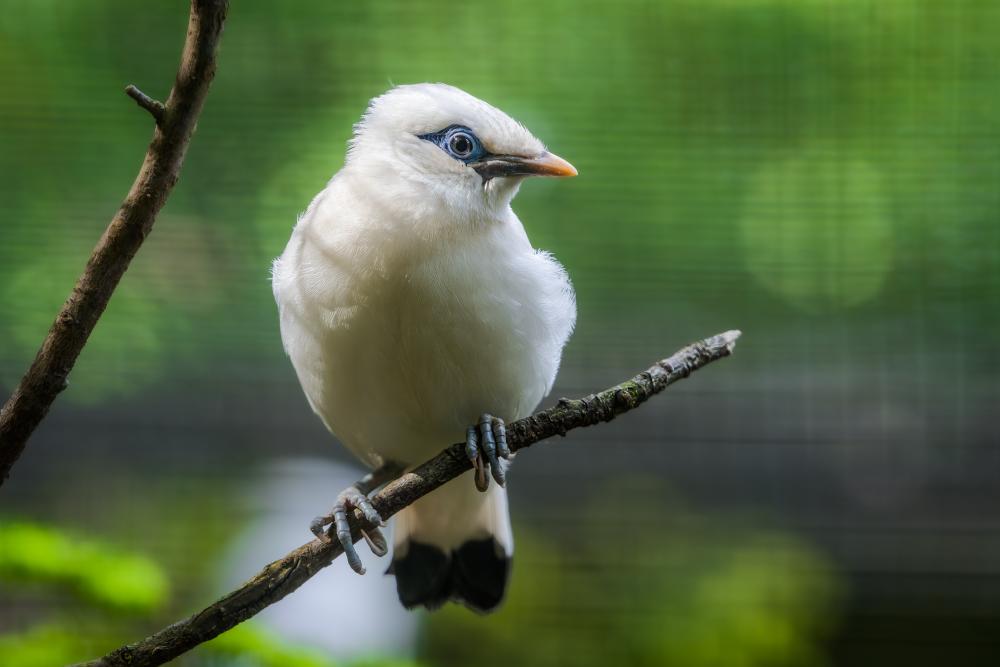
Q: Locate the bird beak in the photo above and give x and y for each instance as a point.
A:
(548, 164)
(545, 164)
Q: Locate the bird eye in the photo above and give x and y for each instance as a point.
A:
(461, 145)
(457, 141)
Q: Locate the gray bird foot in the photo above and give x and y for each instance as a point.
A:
(350, 499)
(485, 445)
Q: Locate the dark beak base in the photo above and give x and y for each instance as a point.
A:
(545, 164)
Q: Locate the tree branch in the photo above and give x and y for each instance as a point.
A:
(283, 576)
(175, 122)
(154, 107)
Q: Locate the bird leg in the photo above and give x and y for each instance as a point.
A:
(485, 444)
(355, 497)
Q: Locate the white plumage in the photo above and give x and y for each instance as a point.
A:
(411, 300)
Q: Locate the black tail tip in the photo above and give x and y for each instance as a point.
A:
(475, 575)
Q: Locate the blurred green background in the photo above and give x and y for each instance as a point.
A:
(824, 175)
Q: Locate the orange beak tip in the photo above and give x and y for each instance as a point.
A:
(549, 164)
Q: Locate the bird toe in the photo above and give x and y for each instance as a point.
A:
(485, 445)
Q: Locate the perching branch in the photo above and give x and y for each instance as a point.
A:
(283, 576)
(175, 122)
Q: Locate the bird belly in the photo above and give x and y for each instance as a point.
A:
(468, 330)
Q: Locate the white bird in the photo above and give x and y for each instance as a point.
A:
(412, 305)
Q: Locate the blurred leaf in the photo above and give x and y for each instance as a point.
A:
(43, 646)
(98, 572)
(250, 642)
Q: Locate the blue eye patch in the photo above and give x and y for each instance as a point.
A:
(459, 142)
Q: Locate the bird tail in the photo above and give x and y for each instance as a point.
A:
(455, 544)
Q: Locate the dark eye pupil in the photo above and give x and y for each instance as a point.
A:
(461, 144)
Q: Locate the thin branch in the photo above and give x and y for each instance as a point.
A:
(154, 107)
(283, 576)
(160, 170)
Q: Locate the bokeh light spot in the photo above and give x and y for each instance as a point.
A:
(816, 230)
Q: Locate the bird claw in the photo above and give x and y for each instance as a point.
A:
(349, 500)
(485, 445)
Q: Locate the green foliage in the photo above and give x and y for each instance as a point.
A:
(109, 579)
(43, 646)
(112, 585)
(265, 649)
(376, 661)
(692, 591)
(99, 573)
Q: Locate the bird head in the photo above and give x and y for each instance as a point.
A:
(436, 143)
